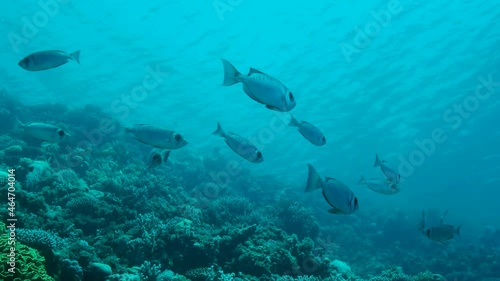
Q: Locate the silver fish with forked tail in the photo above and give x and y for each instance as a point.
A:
(391, 174)
(260, 87)
(381, 186)
(43, 131)
(309, 131)
(157, 136)
(337, 194)
(48, 59)
(240, 145)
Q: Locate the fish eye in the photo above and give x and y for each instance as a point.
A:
(178, 137)
(356, 202)
(323, 139)
(290, 95)
(61, 133)
(259, 155)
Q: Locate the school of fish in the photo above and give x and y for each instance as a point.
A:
(272, 94)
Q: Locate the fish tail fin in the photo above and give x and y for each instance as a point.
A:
(293, 121)
(314, 180)
(231, 74)
(19, 123)
(219, 131)
(457, 230)
(165, 156)
(377, 161)
(361, 180)
(75, 56)
(441, 220)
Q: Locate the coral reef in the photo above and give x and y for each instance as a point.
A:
(27, 263)
(96, 213)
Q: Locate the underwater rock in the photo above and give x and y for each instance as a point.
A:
(341, 266)
(183, 227)
(99, 271)
(14, 150)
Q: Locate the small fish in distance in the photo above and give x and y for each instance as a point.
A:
(442, 232)
(392, 175)
(157, 136)
(308, 131)
(43, 131)
(48, 59)
(381, 186)
(240, 145)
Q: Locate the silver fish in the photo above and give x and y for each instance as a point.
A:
(44, 132)
(240, 145)
(157, 136)
(442, 232)
(260, 87)
(379, 185)
(336, 193)
(309, 131)
(391, 174)
(157, 158)
(48, 59)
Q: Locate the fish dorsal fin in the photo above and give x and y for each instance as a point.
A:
(140, 125)
(441, 220)
(253, 70)
(233, 135)
(329, 179)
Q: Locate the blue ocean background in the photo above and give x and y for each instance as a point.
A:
(385, 98)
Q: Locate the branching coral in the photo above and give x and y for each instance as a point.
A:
(40, 175)
(295, 218)
(39, 239)
(229, 209)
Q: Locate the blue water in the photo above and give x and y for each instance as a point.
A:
(391, 93)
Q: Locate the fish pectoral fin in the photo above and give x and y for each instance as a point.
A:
(328, 201)
(272, 107)
(250, 94)
(165, 156)
(335, 211)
